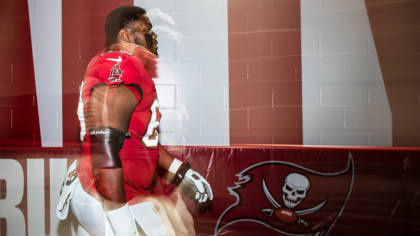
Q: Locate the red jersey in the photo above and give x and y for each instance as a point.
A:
(139, 153)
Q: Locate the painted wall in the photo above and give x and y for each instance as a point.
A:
(19, 125)
(329, 72)
(343, 91)
(395, 27)
(326, 72)
(83, 36)
(193, 72)
(265, 71)
(47, 58)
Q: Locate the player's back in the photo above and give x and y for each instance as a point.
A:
(139, 154)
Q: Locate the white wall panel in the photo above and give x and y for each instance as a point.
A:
(341, 138)
(312, 94)
(167, 100)
(339, 56)
(327, 67)
(193, 60)
(343, 94)
(45, 22)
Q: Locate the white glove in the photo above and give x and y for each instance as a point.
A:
(196, 187)
(192, 184)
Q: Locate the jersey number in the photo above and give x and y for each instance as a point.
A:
(151, 137)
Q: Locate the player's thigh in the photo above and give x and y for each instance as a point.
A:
(150, 219)
(88, 212)
(180, 217)
(81, 231)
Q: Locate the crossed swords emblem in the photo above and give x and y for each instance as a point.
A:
(278, 206)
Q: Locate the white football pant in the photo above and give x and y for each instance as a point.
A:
(155, 216)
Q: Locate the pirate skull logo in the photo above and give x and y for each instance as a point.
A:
(294, 189)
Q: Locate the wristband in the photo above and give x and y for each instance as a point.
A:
(173, 168)
(180, 174)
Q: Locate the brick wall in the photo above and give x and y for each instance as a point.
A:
(396, 29)
(265, 71)
(83, 36)
(344, 97)
(193, 71)
(19, 124)
(193, 87)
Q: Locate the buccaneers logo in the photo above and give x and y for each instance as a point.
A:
(289, 198)
(115, 75)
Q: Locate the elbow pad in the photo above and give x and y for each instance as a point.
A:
(105, 144)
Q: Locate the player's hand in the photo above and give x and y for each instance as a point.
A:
(200, 189)
(191, 184)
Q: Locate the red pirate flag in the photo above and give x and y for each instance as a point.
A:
(289, 198)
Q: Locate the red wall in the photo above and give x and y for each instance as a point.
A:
(265, 72)
(264, 68)
(83, 36)
(19, 125)
(395, 27)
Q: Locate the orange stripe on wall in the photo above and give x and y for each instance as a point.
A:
(265, 90)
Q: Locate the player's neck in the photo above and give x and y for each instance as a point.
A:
(128, 47)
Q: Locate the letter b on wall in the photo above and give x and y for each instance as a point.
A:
(11, 173)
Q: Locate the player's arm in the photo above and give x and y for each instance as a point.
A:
(165, 158)
(108, 115)
(191, 183)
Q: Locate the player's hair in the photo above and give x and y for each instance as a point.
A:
(118, 19)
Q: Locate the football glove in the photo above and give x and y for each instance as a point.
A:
(194, 186)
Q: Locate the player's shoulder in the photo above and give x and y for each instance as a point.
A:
(117, 67)
(120, 57)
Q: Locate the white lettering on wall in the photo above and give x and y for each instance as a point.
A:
(36, 193)
(12, 173)
(38, 208)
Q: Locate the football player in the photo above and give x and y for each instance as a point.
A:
(116, 190)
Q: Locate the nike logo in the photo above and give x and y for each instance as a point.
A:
(118, 60)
